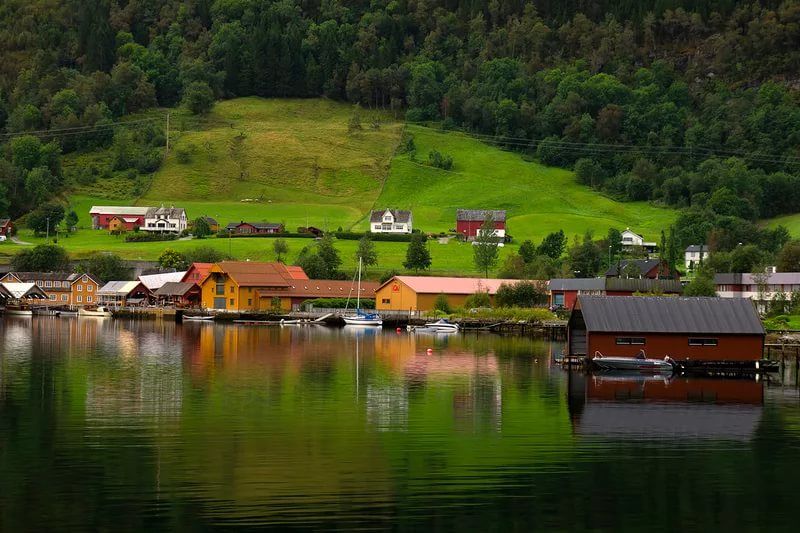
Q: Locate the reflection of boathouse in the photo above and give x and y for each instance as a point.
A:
(641, 407)
(686, 329)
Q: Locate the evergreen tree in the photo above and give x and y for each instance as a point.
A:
(417, 255)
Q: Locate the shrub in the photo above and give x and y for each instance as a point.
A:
(143, 236)
(440, 160)
(479, 299)
(340, 303)
(384, 237)
(442, 304)
(183, 155)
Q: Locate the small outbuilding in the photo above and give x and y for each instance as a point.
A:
(690, 330)
(178, 293)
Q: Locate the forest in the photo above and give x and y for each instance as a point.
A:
(685, 103)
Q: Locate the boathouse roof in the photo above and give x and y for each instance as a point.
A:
(614, 314)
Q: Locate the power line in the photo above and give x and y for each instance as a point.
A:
(82, 129)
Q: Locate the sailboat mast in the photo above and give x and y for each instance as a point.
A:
(358, 291)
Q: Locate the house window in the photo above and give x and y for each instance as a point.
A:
(39, 283)
(52, 296)
(377, 226)
(636, 341)
(220, 288)
(231, 301)
(385, 301)
(89, 288)
(249, 301)
(386, 227)
(56, 284)
(696, 341)
(80, 288)
(48, 283)
(231, 289)
(398, 226)
(63, 297)
(80, 299)
(89, 299)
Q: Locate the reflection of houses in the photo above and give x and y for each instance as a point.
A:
(686, 329)
(644, 407)
(180, 294)
(469, 222)
(120, 293)
(761, 288)
(61, 288)
(390, 221)
(564, 292)
(640, 268)
(632, 241)
(419, 293)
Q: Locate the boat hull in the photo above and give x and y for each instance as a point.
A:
(19, 312)
(632, 364)
(361, 321)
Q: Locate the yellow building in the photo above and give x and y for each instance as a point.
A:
(419, 293)
(61, 288)
(239, 286)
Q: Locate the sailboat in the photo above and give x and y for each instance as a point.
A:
(360, 318)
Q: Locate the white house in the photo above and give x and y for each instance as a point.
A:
(761, 288)
(694, 255)
(165, 220)
(390, 221)
(631, 240)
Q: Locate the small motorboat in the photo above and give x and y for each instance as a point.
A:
(363, 319)
(99, 312)
(199, 318)
(639, 363)
(442, 325)
(18, 310)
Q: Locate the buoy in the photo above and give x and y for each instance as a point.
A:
(399, 330)
(429, 351)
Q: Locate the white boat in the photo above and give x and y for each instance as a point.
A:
(198, 317)
(442, 325)
(100, 311)
(360, 318)
(639, 363)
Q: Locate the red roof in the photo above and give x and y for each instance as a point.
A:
(197, 272)
(296, 272)
(436, 285)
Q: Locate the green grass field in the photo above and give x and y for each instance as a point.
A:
(791, 222)
(305, 168)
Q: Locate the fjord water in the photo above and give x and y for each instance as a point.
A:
(124, 425)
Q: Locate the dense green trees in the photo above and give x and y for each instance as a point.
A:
(41, 258)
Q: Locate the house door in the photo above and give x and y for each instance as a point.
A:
(219, 303)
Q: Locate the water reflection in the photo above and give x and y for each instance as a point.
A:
(159, 425)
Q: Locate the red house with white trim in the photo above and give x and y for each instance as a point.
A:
(469, 222)
(6, 227)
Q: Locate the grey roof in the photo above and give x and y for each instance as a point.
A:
(668, 286)
(211, 221)
(577, 284)
(4, 221)
(169, 212)
(479, 215)
(697, 248)
(257, 225)
(399, 215)
(644, 266)
(69, 277)
(646, 314)
(174, 288)
(778, 278)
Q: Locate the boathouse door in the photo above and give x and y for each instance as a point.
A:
(576, 334)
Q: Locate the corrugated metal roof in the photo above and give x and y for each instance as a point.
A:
(577, 284)
(670, 286)
(155, 281)
(479, 215)
(118, 210)
(670, 315)
(118, 288)
(174, 288)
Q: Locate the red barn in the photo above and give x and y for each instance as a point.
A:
(690, 330)
(6, 227)
(469, 221)
(129, 216)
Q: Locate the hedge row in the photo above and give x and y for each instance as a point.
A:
(386, 237)
(340, 303)
(284, 235)
(142, 236)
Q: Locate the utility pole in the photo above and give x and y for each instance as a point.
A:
(48, 229)
(167, 148)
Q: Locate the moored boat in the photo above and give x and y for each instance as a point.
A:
(205, 318)
(639, 363)
(100, 312)
(361, 318)
(442, 325)
(17, 310)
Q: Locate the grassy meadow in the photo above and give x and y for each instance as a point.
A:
(303, 166)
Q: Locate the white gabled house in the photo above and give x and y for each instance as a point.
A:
(165, 220)
(694, 255)
(390, 221)
(632, 240)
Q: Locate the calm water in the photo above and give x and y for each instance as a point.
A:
(118, 425)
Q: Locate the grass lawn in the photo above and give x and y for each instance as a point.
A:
(538, 199)
(791, 222)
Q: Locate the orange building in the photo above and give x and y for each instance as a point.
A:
(419, 293)
(62, 288)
